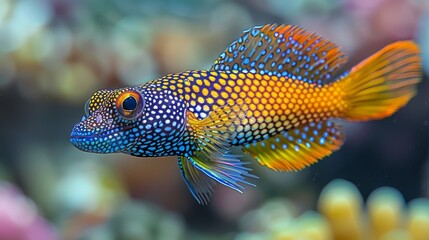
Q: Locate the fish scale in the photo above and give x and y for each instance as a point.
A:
(271, 92)
(274, 104)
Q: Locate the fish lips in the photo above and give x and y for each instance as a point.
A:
(106, 141)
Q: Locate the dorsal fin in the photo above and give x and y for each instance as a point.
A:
(283, 50)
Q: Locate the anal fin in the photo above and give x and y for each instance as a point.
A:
(298, 148)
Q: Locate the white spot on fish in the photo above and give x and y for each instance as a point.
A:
(99, 118)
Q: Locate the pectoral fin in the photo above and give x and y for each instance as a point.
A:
(212, 137)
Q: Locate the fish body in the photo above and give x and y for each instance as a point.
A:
(272, 92)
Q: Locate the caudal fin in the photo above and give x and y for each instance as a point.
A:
(380, 85)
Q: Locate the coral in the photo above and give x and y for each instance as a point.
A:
(19, 218)
(343, 215)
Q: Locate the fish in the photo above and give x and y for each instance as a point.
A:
(276, 93)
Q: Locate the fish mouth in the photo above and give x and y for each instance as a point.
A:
(77, 135)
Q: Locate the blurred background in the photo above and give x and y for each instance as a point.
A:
(55, 53)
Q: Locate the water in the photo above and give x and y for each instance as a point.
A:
(75, 49)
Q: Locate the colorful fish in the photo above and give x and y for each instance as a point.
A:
(272, 92)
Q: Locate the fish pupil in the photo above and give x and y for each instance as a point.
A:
(129, 104)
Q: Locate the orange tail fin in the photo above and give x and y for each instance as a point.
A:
(377, 87)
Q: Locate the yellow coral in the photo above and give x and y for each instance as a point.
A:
(343, 216)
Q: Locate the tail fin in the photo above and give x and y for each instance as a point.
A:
(377, 87)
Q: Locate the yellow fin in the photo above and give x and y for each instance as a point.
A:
(298, 148)
(381, 84)
(216, 130)
(212, 137)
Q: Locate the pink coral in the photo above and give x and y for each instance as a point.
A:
(19, 219)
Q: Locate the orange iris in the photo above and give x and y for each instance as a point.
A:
(130, 104)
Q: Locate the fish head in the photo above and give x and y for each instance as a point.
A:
(110, 121)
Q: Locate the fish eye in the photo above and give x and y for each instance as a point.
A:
(130, 104)
(87, 107)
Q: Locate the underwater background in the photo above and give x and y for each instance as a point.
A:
(55, 53)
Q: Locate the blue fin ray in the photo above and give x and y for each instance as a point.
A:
(284, 50)
(200, 185)
(212, 137)
(225, 169)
